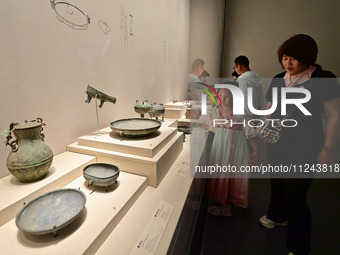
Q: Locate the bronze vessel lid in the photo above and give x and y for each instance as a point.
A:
(28, 124)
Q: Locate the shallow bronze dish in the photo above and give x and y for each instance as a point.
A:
(135, 127)
(184, 129)
(51, 211)
(101, 174)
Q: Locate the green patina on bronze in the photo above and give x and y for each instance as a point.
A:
(30, 157)
(142, 107)
(96, 94)
(156, 111)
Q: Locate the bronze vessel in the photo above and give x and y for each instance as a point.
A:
(30, 157)
(142, 107)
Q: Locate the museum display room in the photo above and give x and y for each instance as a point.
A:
(96, 137)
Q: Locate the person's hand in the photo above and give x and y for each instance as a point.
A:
(325, 156)
(253, 157)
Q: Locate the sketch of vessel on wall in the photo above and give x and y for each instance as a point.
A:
(70, 15)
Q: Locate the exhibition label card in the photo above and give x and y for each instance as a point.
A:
(184, 170)
(152, 234)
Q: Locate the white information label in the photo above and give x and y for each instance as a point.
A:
(152, 233)
(183, 171)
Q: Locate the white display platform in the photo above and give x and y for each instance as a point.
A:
(184, 122)
(176, 105)
(65, 168)
(102, 212)
(173, 189)
(111, 222)
(175, 110)
(147, 146)
(164, 146)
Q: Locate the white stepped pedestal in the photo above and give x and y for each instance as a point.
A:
(147, 146)
(65, 168)
(149, 156)
(175, 110)
(184, 122)
(102, 213)
(173, 189)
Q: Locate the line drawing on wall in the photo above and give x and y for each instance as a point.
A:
(104, 26)
(70, 15)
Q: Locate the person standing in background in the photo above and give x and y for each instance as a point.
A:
(234, 75)
(197, 68)
(204, 77)
(249, 79)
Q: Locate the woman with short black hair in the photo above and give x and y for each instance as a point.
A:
(305, 144)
